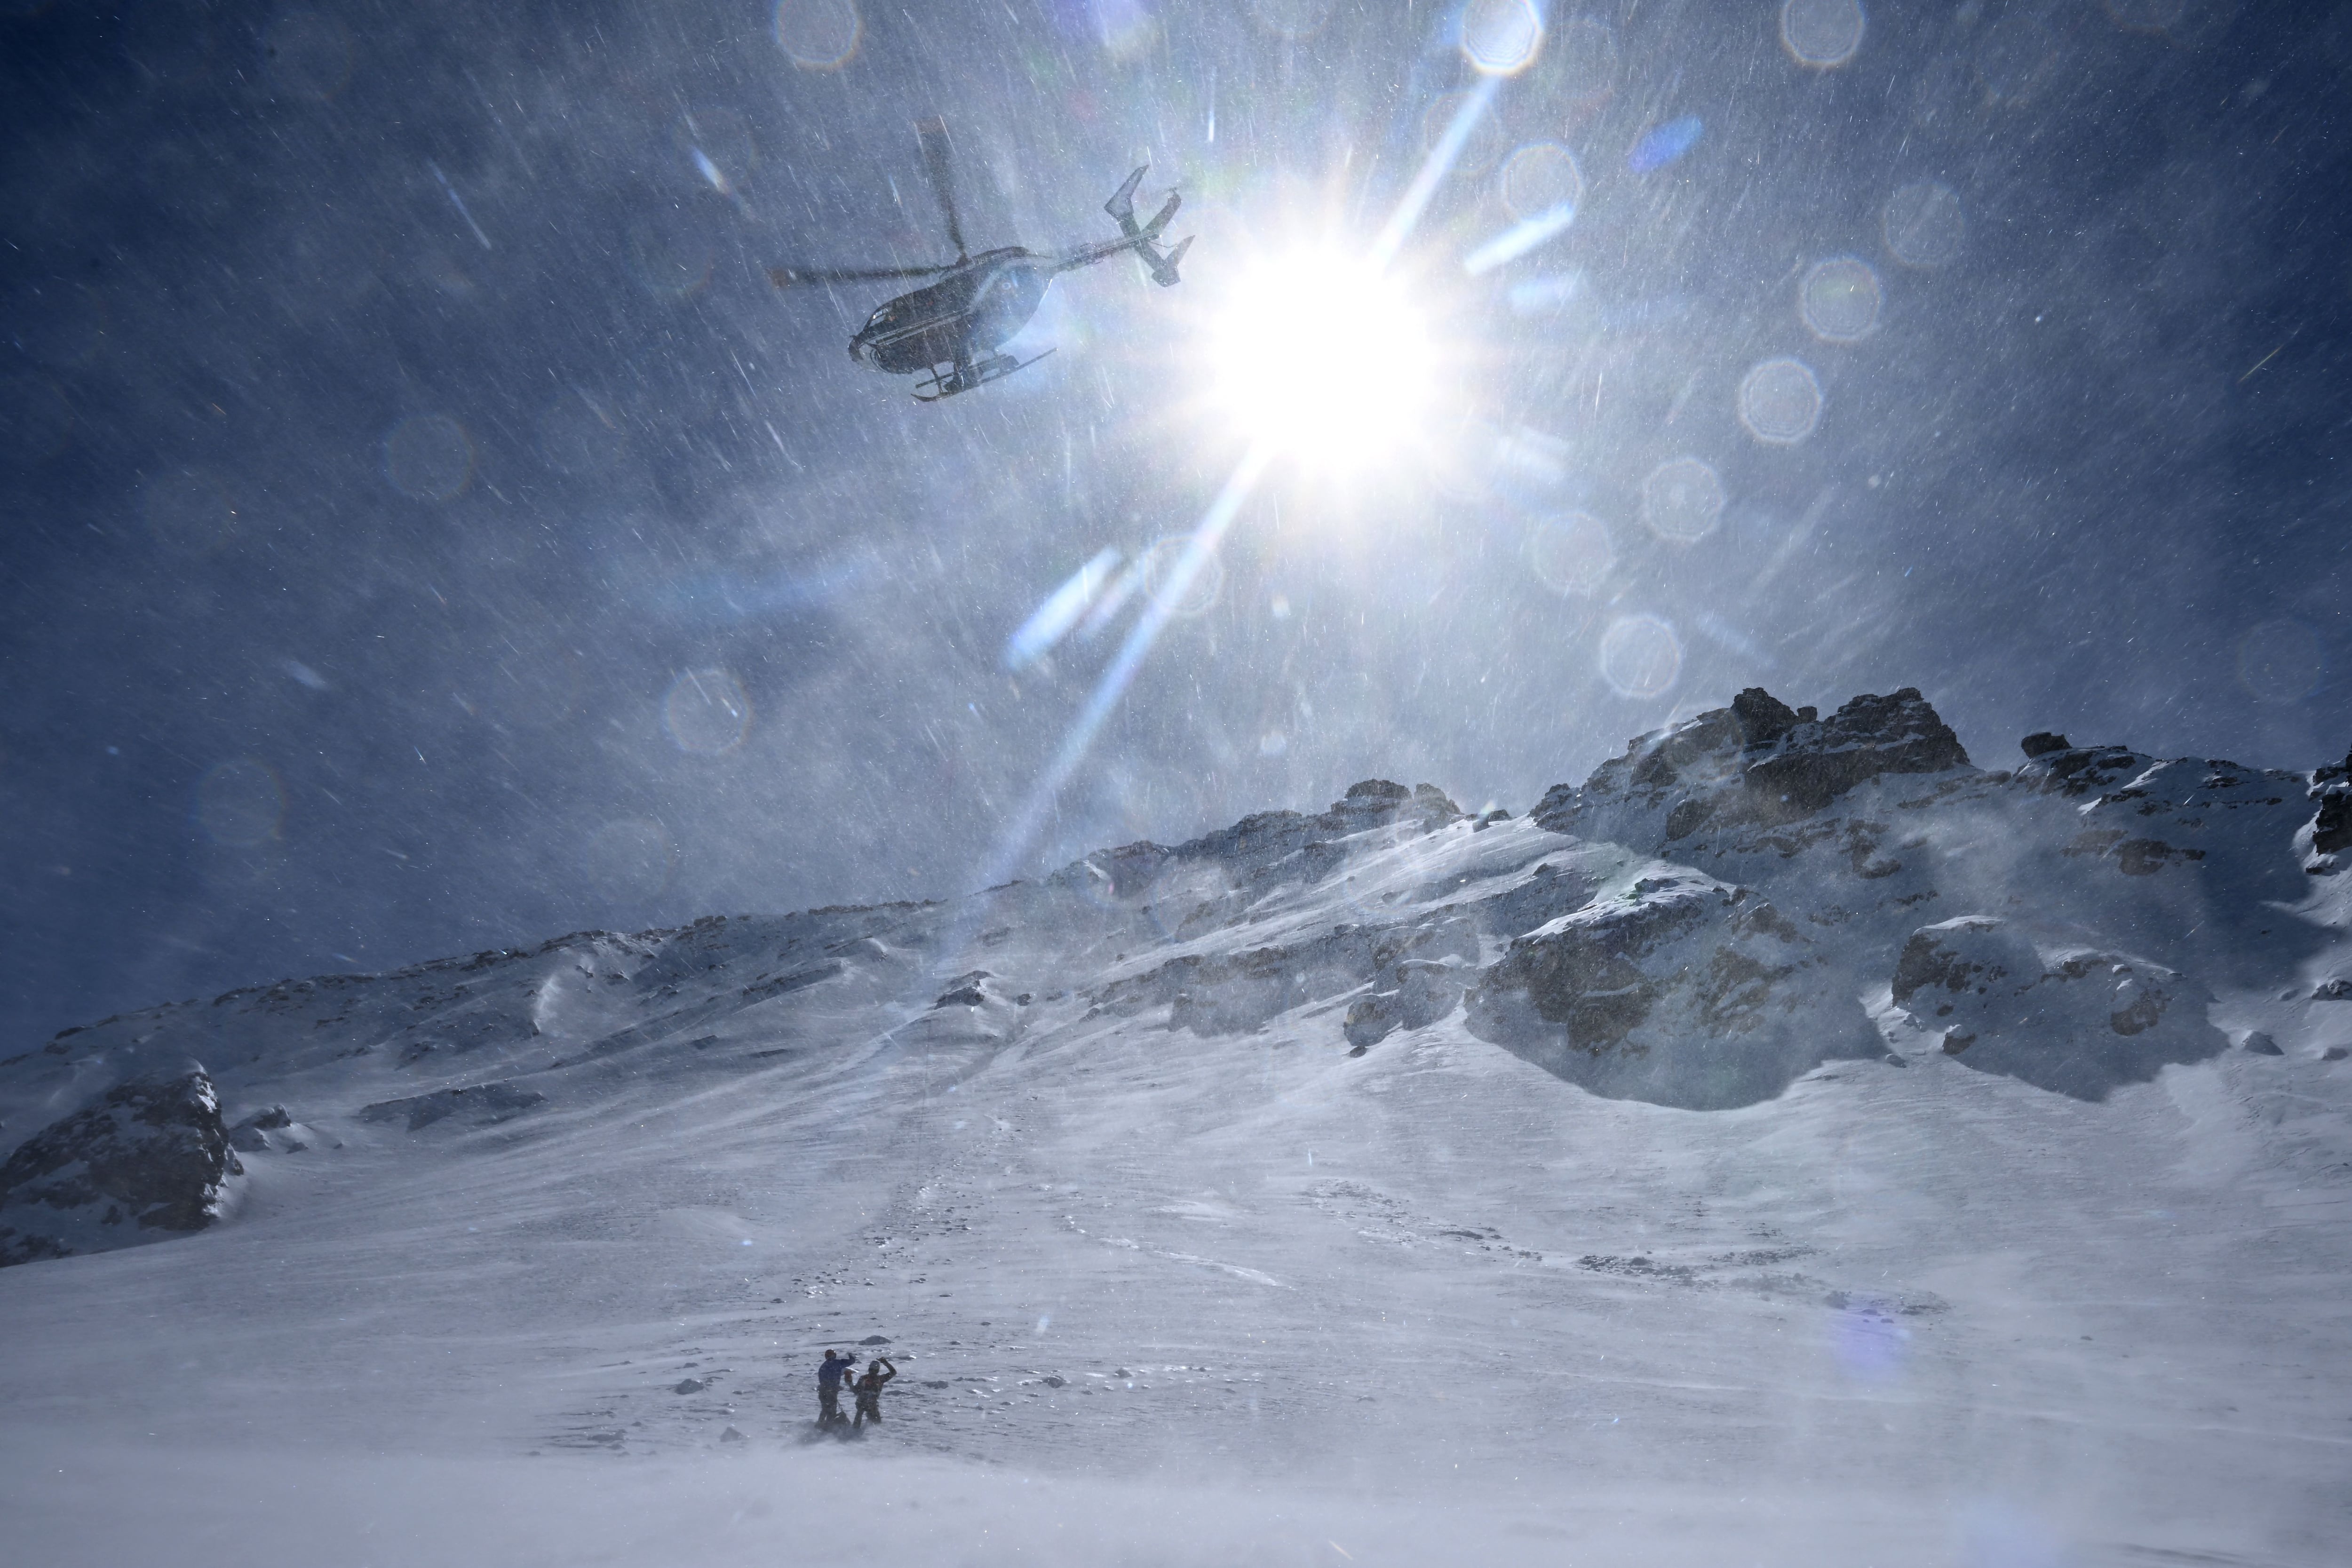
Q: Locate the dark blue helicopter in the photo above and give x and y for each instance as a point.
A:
(948, 331)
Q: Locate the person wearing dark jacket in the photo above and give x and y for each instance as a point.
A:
(868, 1390)
(829, 1373)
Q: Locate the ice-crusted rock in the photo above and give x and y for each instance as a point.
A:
(480, 1104)
(1758, 762)
(1681, 991)
(148, 1161)
(2061, 1016)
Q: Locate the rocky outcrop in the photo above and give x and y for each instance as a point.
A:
(1225, 994)
(1263, 851)
(479, 1105)
(1757, 762)
(1681, 991)
(2077, 1019)
(149, 1161)
(2331, 825)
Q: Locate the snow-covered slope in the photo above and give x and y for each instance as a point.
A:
(1795, 1138)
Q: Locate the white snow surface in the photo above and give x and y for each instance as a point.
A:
(1172, 1276)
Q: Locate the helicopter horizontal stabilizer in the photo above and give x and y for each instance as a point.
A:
(1164, 268)
(1140, 237)
(1121, 204)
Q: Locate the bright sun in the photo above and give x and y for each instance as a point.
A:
(1324, 359)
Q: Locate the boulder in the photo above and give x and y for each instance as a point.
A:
(2060, 1015)
(148, 1161)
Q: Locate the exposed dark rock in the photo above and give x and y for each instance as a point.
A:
(2042, 742)
(964, 991)
(273, 1130)
(1423, 993)
(1763, 718)
(690, 1386)
(2259, 1043)
(2331, 825)
(2146, 857)
(1223, 994)
(1261, 851)
(1682, 992)
(1433, 801)
(482, 1104)
(875, 1340)
(1369, 1020)
(730, 1435)
(2080, 770)
(2338, 990)
(2078, 1020)
(462, 1032)
(1756, 761)
(149, 1160)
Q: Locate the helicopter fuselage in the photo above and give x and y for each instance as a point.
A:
(972, 309)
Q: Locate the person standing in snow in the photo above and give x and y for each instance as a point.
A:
(868, 1390)
(829, 1373)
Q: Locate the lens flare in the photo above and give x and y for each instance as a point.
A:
(707, 712)
(1571, 553)
(1781, 402)
(1680, 499)
(818, 35)
(1840, 300)
(1324, 358)
(1501, 38)
(1822, 33)
(1641, 657)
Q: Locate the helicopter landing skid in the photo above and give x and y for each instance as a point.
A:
(971, 373)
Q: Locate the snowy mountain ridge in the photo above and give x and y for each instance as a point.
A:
(1782, 1094)
(1704, 921)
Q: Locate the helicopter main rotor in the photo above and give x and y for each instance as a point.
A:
(978, 302)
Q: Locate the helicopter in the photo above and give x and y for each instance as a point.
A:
(949, 332)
